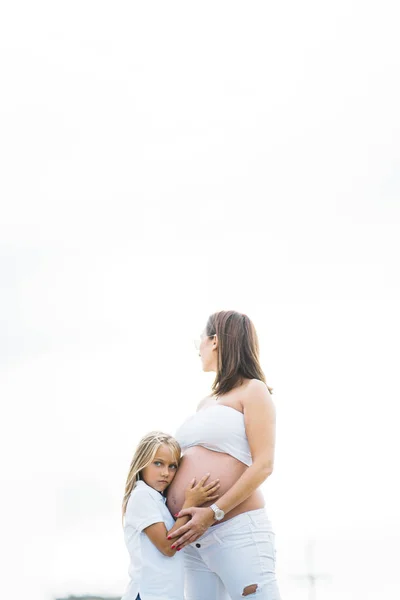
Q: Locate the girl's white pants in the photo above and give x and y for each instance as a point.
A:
(233, 560)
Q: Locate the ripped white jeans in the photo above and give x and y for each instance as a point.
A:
(233, 560)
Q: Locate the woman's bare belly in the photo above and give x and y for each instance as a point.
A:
(196, 462)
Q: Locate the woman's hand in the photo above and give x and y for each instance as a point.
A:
(197, 495)
(201, 520)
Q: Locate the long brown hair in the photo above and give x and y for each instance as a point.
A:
(144, 454)
(238, 350)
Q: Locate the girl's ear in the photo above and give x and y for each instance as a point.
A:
(215, 343)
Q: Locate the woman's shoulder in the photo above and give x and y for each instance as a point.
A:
(249, 389)
(254, 389)
(253, 385)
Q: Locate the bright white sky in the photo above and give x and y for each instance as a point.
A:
(160, 162)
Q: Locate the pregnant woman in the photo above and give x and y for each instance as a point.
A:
(229, 546)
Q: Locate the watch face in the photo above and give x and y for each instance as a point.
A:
(219, 514)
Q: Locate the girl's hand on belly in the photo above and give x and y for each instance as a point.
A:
(197, 495)
(201, 520)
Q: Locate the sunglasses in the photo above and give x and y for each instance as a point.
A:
(198, 341)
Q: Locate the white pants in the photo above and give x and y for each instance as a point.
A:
(233, 560)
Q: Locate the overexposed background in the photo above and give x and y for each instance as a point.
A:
(161, 161)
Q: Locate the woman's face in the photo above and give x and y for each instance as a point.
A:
(208, 352)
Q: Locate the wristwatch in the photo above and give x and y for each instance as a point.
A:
(218, 512)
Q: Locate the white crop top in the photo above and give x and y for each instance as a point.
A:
(219, 428)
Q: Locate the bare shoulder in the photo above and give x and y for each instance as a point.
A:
(255, 392)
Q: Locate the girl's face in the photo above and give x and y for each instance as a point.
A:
(161, 471)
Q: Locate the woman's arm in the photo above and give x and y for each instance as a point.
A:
(259, 418)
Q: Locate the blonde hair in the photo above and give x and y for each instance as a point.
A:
(144, 454)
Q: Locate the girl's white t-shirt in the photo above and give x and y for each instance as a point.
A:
(152, 574)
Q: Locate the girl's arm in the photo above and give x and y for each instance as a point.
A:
(259, 417)
(195, 495)
(158, 534)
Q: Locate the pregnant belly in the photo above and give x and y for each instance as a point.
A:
(196, 462)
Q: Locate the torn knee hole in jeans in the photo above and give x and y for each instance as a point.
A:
(250, 589)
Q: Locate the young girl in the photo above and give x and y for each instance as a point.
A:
(156, 569)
